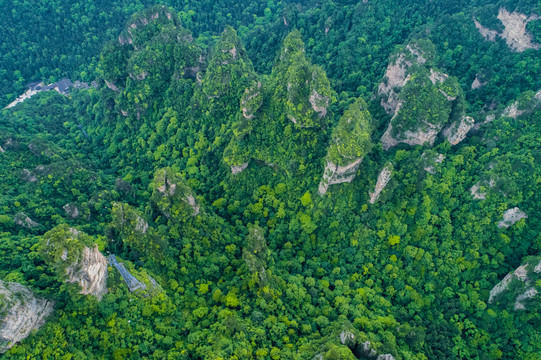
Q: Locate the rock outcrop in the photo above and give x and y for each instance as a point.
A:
(383, 179)
(90, 272)
(524, 276)
(511, 216)
(239, 168)
(488, 34)
(174, 198)
(396, 76)
(457, 132)
(421, 99)
(71, 210)
(23, 220)
(514, 33)
(251, 100)
(20, 313)
(336, 174)
(76, 258)
(349, 144)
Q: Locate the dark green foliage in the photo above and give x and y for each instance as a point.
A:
(257, 265)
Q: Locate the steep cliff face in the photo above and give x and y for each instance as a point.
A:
(514, 33)
(519, 285)
(397, 74)
(76, 259)
(20, 313)
(457, 132)
(306, 92)
(383, 179)
(421, 99)
(349, 144)
(90, 272)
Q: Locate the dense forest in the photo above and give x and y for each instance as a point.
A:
(271, 180)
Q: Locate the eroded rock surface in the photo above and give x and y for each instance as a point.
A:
(383, 179)
(20, 313)
(90, 272)
(335, 174)
(511, 216)
(396, 76)
(457, 132)
(524, 275)
(421, 98)
(71, 210)
(419, 137)
(76, 258)
(514, 33)
(238, 169)
(23, 220)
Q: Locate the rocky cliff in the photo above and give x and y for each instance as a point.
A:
(20, 313)
(521, 284)
(421, 99)
(174, 198)
(76, 259)
(514, 32)
(350, 142)
(457, 132)
(383, 179)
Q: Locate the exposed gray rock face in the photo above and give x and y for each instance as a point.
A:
(336, 174)
(20, 313)
(370, 353)
(396, 76)
(524, 274)
(410, 65)
(22, 220)
(112, 86)
(238, 169)
(512, 111)
(514, 33)
(28, 176)
(319, 103)
(90, 272)
(383, 179)
(476, 84)
(418, 137)
(511, 216)
(457, 132)
(347, 338)
(488, 34)
(71, 210)
(251, 101)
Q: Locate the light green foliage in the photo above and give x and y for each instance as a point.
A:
(298, 84)
(62, 246)
(425, 105)
(270, 270)
(351, 137)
